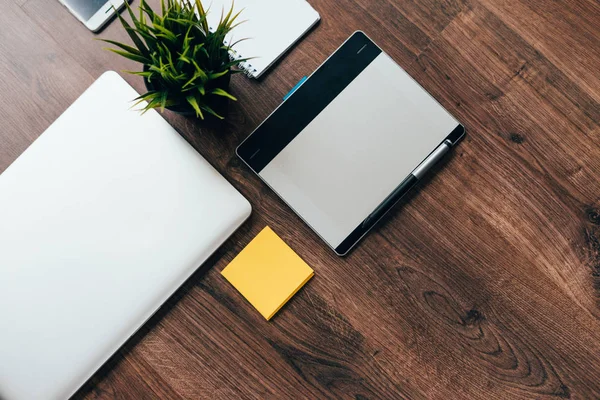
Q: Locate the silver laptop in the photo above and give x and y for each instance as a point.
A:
(104, 216)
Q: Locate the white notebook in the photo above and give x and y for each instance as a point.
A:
(271, 26)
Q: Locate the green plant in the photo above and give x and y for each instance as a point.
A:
(186, 66)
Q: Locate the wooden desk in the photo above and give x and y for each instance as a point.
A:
(484, 284)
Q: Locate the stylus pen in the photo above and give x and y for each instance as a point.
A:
(408, 183)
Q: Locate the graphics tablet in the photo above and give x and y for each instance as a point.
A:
(350, 142)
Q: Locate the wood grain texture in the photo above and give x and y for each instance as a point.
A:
(37, 81)
(483, 284)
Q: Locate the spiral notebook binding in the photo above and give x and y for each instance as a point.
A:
(245, 66)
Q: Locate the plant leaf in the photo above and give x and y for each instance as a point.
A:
(199, 72)
(221, 92)
(145, 74)
(202, 15)
(192, 102)
(164, 32)
(211, 111)
(131, 32)
(150, 40)
(148, 95)
(181, 56)
(237, 41)
(218, 74)
(131, 56)
(125, 47)
(144, 6)
(163, 100)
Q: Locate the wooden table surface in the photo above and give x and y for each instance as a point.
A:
(483, 284)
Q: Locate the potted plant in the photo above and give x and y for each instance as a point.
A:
(186, 66)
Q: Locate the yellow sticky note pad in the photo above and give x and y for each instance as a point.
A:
(267, 272)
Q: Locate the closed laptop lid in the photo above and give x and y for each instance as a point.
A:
(104, 216)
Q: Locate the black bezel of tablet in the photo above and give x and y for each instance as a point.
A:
(295, 113)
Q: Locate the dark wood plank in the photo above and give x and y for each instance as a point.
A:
(547, 26)
(37, 81)
(484, 284)
(77, 41)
